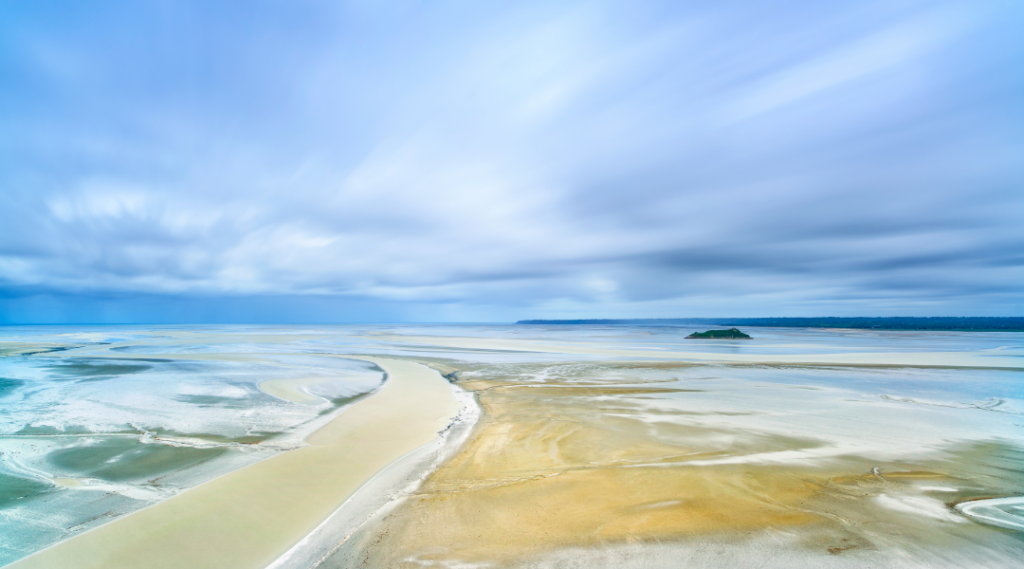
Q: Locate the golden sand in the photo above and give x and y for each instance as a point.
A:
(569, 464)
(549, 467)
(249, 517)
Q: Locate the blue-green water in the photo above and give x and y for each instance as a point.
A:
(127, 417)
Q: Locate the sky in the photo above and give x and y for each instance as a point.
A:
(268, 161)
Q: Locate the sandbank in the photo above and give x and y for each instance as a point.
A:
(249, 517)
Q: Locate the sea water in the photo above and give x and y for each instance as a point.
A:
(97, 422)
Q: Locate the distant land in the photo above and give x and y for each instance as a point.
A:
(730, 334)
(951, 323)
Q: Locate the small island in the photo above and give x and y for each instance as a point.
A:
(730, 334)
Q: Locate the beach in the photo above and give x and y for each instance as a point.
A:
(716, 459)
(248, 518)
(516, 447)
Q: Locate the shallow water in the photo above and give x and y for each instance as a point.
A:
(122, 418)
(99, 421)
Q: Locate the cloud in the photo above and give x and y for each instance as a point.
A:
(879, 51)
(472, 161)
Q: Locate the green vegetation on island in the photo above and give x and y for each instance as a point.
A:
(730, 334)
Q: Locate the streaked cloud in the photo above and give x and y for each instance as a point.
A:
(469, 161)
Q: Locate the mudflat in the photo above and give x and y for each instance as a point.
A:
(577, 460)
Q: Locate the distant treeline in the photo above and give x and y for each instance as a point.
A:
(980, 323)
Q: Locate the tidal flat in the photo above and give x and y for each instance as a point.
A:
(97, 423)
(600, 456)
(594, 446)
(612, 463)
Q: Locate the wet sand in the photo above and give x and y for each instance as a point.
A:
(546, 470)
(247, 518)
(1002, 512)
(569, 471)
(593, 453)
(291, 389)
(1009, 361)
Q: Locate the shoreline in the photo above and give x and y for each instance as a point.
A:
(994, 511)
(339, 537)
(250, 517)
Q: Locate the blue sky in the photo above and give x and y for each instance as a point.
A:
(486, 161)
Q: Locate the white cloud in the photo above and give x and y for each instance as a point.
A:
(558, 155)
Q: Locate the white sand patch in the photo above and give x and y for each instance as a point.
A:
(228, 391)
(294, 389)
(919, 505)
